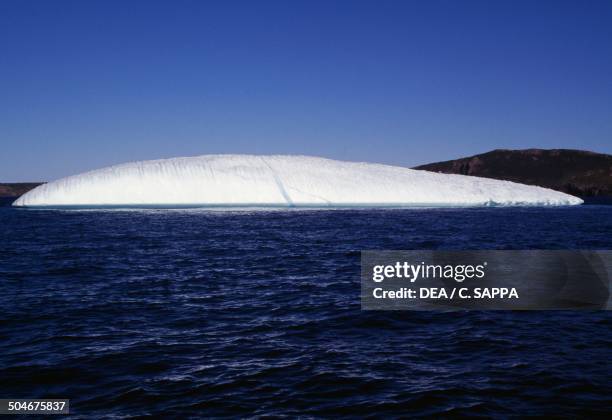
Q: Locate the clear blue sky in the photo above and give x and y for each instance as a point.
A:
(85, 84)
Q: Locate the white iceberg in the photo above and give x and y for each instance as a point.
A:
(248, 180)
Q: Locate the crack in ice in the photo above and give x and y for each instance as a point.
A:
(279, 183)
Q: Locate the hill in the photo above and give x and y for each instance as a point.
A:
(16, 189)
(576, 172)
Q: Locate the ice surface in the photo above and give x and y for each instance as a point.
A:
(248, 180)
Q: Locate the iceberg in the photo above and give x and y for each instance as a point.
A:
(280, 181)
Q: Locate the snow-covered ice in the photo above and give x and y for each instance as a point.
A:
(249, 180)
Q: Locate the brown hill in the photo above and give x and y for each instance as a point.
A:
(16, 189)
(575, 172)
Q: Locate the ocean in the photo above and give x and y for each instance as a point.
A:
(238, 313)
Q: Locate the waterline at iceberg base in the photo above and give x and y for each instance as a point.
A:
(279, 181)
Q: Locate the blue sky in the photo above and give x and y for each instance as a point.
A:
(85, 84)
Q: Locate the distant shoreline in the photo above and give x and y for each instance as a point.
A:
(14, 190)
(579, 173)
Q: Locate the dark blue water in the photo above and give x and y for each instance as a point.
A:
(200, 313)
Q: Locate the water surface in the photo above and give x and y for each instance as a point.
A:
(195, 312)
